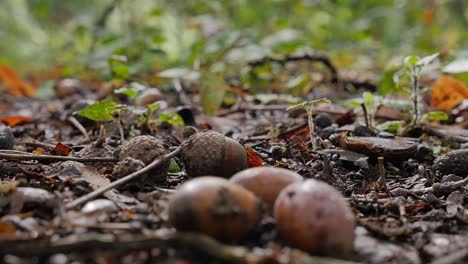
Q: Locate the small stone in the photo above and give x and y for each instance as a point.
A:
(323, 120)
(7, 140)
(99, 205)
(65, 169)
(454, 162)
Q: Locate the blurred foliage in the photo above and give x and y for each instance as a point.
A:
(125, 39)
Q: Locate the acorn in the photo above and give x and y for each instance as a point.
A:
(266, 182)
(7, 140)
(146, 149)
(313, 216)
(214, 206)
(210, 153)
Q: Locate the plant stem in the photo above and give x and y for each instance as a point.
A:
(366, 117)
(415, 80)
(310, 120)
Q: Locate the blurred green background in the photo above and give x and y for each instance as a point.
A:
(150, 35)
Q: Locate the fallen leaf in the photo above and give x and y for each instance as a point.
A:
(6, 230)
(95, 179)
(14, 84)
(62, 150)
(254, 159)
(15, 120)
(448, 92)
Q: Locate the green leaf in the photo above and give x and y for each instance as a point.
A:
(132, 90)
(171, 118)
(437, 115)
(411, 61)
(98, 111)
(212, 91)
(179, 73)
(368, 98)
(118, 66)
(387, 83)
(154, 106)
(174, 167)
(390, 126)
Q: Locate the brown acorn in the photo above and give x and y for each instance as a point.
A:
(266, 182)
(313, 216)
(214, 206)
(210, 153)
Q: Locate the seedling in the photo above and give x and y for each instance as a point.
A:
(308, 106)
(412, 68)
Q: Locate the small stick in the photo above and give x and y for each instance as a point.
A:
(11, 156)
(117, 183)
(79, 126)
(366, 117)
(382, 175)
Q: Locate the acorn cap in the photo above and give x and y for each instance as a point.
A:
(210, 153)
(146, 149)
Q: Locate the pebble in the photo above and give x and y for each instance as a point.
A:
(7, 140)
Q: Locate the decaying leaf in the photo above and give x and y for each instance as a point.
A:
(254, 159)
(15, 120)
(448, 92)
(14, 84)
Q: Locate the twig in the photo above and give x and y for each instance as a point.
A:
(196, 242)
(79, 126)
(366, 117)
(441, 188)
(128, 178)
(202, 244)
(383, 177)
(318, 57)
(11, 156)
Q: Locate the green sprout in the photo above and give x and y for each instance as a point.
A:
(412, 68)
(308, 106)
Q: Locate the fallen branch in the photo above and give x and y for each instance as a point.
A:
(92, 195)
(198, 243)
(314, 57)
(13, 156)
(443, 188)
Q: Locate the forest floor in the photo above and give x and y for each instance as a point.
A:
(415, 213)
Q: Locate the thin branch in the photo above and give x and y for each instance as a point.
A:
(79, 126)
(12, 156)
(201, 244)
(96, 193)
(314, 57)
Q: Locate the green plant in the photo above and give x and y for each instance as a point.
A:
(308, 106)
(411, 69)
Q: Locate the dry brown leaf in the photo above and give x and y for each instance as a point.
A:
(15, 120)
(14, 84)
(448, 92)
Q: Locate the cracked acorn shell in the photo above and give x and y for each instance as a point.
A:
(210, 153)
(145, 148)
(214, 206)
(313, 216)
